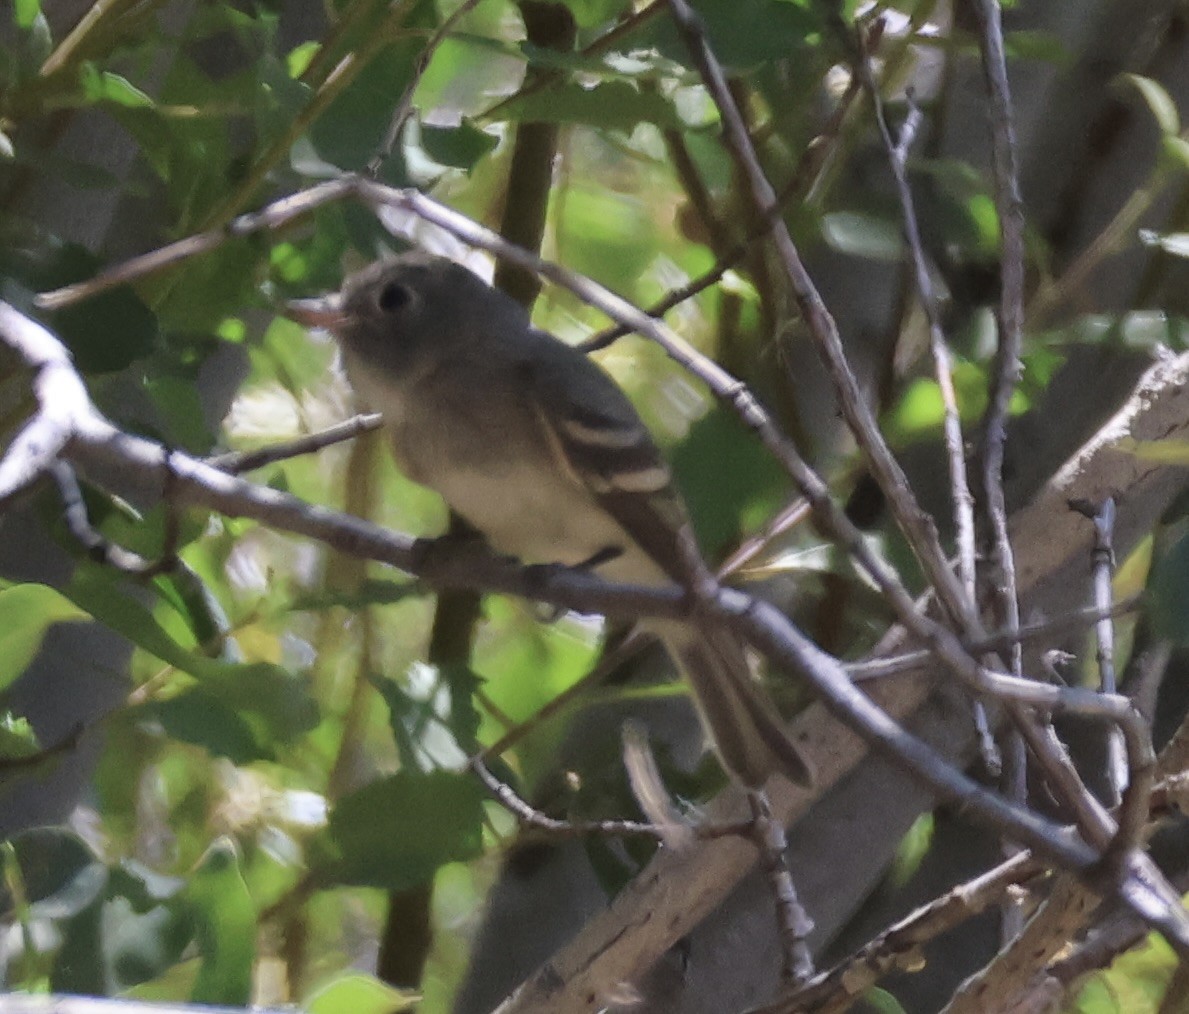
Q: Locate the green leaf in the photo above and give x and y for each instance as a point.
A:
(177, 399)
(746, 34)
(225, 919)
(198, 717)
(104, 86)
(460, 147)
(275, 703)
(608, 236)
(396, 832)
(109, 331)
(370, 592)
(719, 444)
(350, 130)
(1047, 47)
(17, 738)
(614, 105)
(882, 1002)
(27, 611)
(1175, 149)
(356, 993)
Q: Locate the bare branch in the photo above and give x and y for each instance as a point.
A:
(917, 526)
(238, 462)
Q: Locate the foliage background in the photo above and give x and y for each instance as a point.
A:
(257, 782)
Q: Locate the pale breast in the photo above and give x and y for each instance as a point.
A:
(496, 469)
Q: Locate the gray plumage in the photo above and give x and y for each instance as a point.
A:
(537, 448)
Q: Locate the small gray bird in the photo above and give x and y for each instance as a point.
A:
(536, 447)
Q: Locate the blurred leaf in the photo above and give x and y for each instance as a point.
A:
(1135, 982)
(395, 832)
(745, 34)
(1170, 593)
(606, 235)
(103, 86)
(880, 1001)
(862, 235)
(287, 353)
(195, 716)
(1175, 149)
(1137, 329)
(371, 592)
(460, 147)
(275, 703)
(613, 105)
(225, 920)
(107, 332)
(27, 611)
(911, 851)
(351, 129)
(1043, 46)
(212, 287)
(1161, 104)
(1165, 452)
(116, 944)
(180, 404)
(61, 875)
(356, 993)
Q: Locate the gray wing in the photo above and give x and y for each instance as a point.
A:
(609, 451)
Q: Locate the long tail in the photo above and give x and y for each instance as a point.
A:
(742, 721)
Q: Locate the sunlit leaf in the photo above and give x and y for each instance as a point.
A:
(27, 611)
(25, 12)
(357, 993)
(226, 927)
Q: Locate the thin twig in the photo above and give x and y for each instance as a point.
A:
(900, 944)
(960, 495)
(507, 797)
(238, 462)
(995, 641)
(1010, 206)
(404, 105)
(272, 216)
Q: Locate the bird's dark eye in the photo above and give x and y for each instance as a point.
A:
(392, 297)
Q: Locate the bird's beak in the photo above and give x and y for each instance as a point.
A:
(326, 312)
